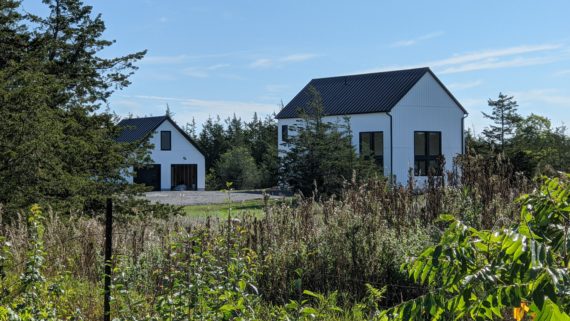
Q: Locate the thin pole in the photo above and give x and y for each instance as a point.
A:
(108, 255)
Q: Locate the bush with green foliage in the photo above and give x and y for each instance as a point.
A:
(236, 166)
(482, 274)
(258, 137)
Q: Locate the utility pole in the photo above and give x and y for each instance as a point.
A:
(108, 255)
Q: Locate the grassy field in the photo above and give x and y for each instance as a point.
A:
(254, 207)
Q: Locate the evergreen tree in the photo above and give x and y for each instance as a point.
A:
(235, 132)
(319, 154)
(57, 144)
(504, 117)
(262, 140)
(190, 129)
(168, 112)
(212, 140)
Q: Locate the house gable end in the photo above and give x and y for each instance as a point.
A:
(429, 91)
(182, 132)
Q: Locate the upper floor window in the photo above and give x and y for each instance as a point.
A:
(165, 140)
(427, 153)
(372, 147)
(285, 133)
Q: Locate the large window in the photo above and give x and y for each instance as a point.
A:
(427, 153)
(372, 147)
(285, 133)
(165, 140)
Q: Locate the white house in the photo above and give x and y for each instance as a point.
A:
(178, 162)
(405, 119)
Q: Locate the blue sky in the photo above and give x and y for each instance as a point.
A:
(224, 57)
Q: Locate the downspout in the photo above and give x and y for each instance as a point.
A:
(463, 133)
(391, 150)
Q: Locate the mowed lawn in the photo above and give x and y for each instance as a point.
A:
(251, 207)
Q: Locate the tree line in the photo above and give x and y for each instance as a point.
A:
(238, 151)
(531, 144)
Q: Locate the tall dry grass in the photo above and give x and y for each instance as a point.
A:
(336, 244)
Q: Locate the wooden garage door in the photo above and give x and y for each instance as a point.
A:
(149, 176)
(184, 176)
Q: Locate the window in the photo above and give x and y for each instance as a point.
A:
(165, 140)
(427, 153)
(372, 146)
(285, 133)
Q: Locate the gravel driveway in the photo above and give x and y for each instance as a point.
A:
(201, 197)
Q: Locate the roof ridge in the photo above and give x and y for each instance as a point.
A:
(146, 117)
(426, 69)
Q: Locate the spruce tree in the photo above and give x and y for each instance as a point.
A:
(505, 119)
(57, 143)
(319, 154)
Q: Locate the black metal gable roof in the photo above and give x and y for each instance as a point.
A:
(359, 94)
(135, 129)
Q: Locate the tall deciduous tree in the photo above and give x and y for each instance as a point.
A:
(504, 117)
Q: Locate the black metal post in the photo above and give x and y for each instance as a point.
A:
(108, 255)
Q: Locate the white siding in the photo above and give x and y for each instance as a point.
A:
(358, 123)
(426, 107)
(181, 152)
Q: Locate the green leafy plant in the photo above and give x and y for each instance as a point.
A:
(482, 274)
(31, 298)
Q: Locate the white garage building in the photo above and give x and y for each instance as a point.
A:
(178, 162)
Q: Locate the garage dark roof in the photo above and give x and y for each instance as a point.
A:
(359, 94)
(136, 129)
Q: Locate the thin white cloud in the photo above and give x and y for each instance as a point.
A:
(276, 88)
(162, 60)
(298, 57)
(497, 64)
(185, 109)
(203, 72)
(542, 97)
(262, 63)
(280, 61)
(184, 58)
(517, 56)
(563, 72)
(494, 53)
(464, 85)
(414, 41)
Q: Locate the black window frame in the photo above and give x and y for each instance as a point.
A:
(427, 158)
(285, 133)
(378, 159)
(162, 147)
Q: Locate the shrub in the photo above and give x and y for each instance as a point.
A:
(481, 273)
(237, 166)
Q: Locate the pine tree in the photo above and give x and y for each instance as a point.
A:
(191, 128)
(319, 154)
(56, 143)
(168, 112)
(504, 118)
(212, 140)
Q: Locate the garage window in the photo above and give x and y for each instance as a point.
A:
(165, 140)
